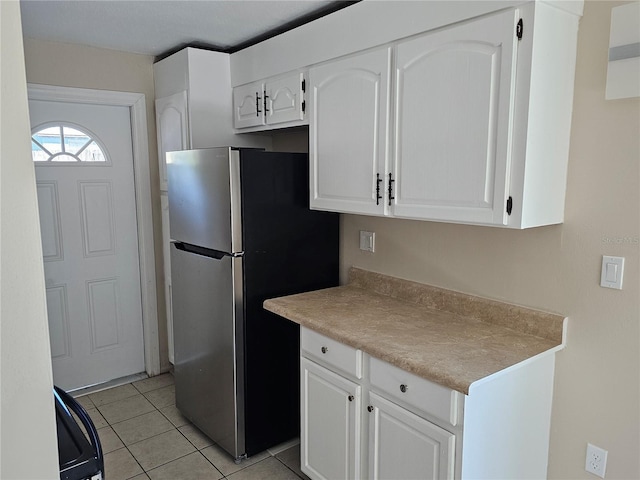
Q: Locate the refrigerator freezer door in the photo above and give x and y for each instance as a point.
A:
(207, 316)
(204, 198)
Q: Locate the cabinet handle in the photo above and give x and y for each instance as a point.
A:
(390, 189)
(350, 397)
(324, 349)
(265, 102)
(258, 98)
(404, 388)
(378, 182)
(370, 408)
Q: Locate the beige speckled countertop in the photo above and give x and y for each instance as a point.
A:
(447, 337)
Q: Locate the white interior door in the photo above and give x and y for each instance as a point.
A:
(90, 244)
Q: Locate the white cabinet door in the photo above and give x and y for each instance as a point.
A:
(172, 129)
(166, 256)
(248, 105)
(454, 93)
(404, 446)
(284, 99)
(348, 134)
(330, 424)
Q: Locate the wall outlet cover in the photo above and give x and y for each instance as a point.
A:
(367, 241)
(596, 462)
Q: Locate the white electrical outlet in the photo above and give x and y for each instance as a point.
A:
(596, 460)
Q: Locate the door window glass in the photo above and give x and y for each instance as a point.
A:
(64, 144)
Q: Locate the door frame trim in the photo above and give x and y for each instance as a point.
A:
(142, 184)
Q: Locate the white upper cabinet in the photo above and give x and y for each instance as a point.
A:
(172, 130)
(285, 99)
(265, 103)
(473, 127)
(453, 92)
(348, 134)
(248, 105)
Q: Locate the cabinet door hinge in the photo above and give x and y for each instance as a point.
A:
(519, 28)
(304, 85)
(304, 106)
(509, 205)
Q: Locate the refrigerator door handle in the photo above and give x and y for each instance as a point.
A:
(205, 252)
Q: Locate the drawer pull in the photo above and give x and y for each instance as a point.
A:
(370, 408)
(404, 388)
(350, 397)
(324, 349)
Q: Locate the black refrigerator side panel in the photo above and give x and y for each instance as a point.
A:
(288, 249)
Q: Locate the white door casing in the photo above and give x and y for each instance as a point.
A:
(88, 190)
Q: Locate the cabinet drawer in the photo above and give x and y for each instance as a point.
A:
(413, 391)
(331, 352)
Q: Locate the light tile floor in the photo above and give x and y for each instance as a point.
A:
(144, 436)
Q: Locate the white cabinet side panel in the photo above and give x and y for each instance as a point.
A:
(507, 424)
(166, 257)
(550, 111)
(211, 105)
(170, 75)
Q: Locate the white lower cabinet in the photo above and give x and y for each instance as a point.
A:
(350, 432)
(363, 418)
(403, 445)
(330, 424)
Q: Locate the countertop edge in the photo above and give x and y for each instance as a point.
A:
(386, 323)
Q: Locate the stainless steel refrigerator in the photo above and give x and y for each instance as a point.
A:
(241, 231)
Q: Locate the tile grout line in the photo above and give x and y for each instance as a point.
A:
(131, 453)
(292, 470)
(176, 428)
(122, 440)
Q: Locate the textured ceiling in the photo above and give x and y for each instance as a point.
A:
(155, 27)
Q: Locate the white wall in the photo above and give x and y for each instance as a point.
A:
(27, 417)
(557, 268)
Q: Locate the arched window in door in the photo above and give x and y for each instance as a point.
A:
(63, 143)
